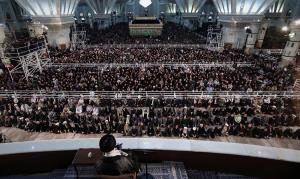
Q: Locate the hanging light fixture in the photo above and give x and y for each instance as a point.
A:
(145, 3)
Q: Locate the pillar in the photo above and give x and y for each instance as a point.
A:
(261, 34)
(2, 33)
(292, 46)
(201, 20)
(2, 38)
(251, 38)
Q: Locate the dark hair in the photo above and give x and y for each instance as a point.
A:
(107, 143)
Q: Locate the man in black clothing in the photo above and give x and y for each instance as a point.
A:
(115, 162)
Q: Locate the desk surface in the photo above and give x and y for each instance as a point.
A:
(81, 156)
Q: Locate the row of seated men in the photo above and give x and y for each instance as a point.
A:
(244, 117)
(154, 78)
(153, 55)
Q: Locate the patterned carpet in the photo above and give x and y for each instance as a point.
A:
(198, 174)
(165, 170)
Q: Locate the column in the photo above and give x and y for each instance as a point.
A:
(251, 38)
(2, 33)
(2, 38)
(292, 46)
(261, 34)
(201, 20)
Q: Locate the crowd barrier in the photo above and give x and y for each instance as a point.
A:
(148, 94)
(155, 144)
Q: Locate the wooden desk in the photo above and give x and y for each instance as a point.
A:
(81, 158)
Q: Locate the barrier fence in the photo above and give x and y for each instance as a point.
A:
(149, 94)
(147, 46)
(134, 65)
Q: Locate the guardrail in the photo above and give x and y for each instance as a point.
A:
(273, 51)
(135, 65)
(149, 94)
(31, 47)
(147, 46)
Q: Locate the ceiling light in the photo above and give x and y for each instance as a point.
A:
(145, 3)
(292, 35)
(284, 28)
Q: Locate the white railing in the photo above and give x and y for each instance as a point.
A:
(273, 51)
(149, 94)
(136, 65)
(296, 85)
(147, 46)
(16, 52)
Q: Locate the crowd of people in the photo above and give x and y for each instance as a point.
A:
(152, 70)
(151, 55)
(191, 118)
(199, 117)
(119, 34)
(155, 78)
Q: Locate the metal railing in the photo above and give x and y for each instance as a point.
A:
(147, 46)
(273, 51)
(149, 94)
(16, 52)
(136, 65)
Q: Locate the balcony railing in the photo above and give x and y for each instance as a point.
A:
(150, 94)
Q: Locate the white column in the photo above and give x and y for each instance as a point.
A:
(234, 34)
(262, 33)
(251, 38)
(292, 46)
(91, 22)
(201, 20)
(2, 33)
(2, 37)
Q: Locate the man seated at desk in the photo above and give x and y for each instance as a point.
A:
(114, 162)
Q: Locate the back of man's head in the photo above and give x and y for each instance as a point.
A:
(107, 143)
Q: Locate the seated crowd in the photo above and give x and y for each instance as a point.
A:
(154, 78)
(150, 55)
(199, 117)
(119, 34)
(192, 118)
